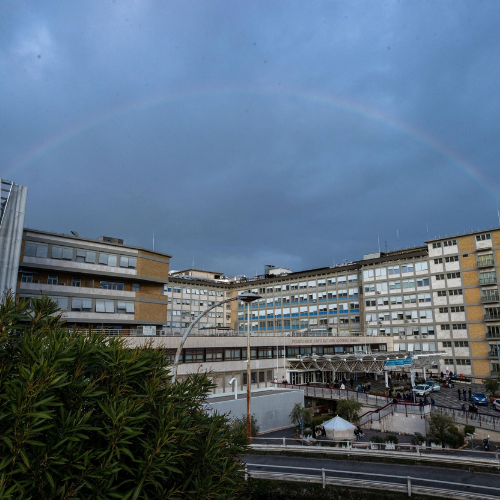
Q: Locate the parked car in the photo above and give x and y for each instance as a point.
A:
(479, 398)
(422, 390)
(433, 386)
(496, 404)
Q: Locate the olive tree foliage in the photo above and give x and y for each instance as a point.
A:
(348, 409)
(84, 417)
(299, 413)
(492, 385)
(442, 428)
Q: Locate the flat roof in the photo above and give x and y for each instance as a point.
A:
(464, 234)
(94, 240)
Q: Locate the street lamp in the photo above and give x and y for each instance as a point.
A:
(244, 297)
(248, 298)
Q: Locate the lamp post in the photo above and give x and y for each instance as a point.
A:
(249, 297)
(245, 297)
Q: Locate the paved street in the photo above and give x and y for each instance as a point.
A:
(453, 476)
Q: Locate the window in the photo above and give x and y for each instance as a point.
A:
(76, 282)
(194, 356)
(452, 276)
(62, 302)
(368, 274)
(483, 237)
(457, 291)
(32, 249)
(136, 287)
(446, 344)
(381, 271)
(436, 245)
(52, 279)
(450, 243)
(125, 307)
(438, 261)
(441, 293)
(461, 343)
(424, 297)
(81, 304)
(456, 309)
(369, 288)
(394, 285)
(108, 259)
(106, 306)
(421, 266)
(459, 326)
(422, 281)
(129, 262)
(111, 285)
(85, 256)
(408, 283)
(370, 303)
(215, 355)
(445, 327)
(26, 278)
(443, 310)
(439, 277)
(451, 259)
(64, 253)
(407, 268)
(393, 270)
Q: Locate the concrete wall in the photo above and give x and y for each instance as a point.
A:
(271, 411)
(399, 422)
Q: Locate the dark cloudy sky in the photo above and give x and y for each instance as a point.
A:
(245, 133)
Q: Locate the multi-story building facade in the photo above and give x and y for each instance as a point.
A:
(99, 284)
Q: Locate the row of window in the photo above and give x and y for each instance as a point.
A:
(457, 343)
(340, 280)
(416, 347)
(457, 361)
(53, 279)
(447, 243)
(450, 276)
(89, 305)
(400, 315)
(455, 291)
(405, 268)
(41, 250)
(398, 300)
(453, 258)
(196, 291)
(454, 326)
(453, 309)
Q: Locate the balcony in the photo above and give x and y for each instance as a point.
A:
(491, 316)
(487, 281)
(493, 354)
(486, 262)
(493, 335)
(491, 297)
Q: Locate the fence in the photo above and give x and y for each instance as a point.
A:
(370, 480)
(391, 408)
(491, 422)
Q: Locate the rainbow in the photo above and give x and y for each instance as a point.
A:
(461, 164)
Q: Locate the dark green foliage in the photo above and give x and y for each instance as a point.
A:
(443, 430)
(83, 416)
(391, 438)
(240, 425)
(469, 429)
(492, 385)
(376, 439)
(348, 409)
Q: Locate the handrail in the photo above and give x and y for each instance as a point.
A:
(405, 484)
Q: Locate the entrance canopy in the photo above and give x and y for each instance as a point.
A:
(365, 362)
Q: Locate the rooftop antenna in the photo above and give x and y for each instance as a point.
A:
(498, 213)
(378, 240)
(153, 239)
(193, 261)
(427, 227)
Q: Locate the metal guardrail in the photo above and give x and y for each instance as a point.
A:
(405, 451)
(398, 483)
(483, 420)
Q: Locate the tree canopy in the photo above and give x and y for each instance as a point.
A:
(83, 416)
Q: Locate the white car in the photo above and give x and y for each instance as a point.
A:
(496, 404)
(422, 390)
(433, 386)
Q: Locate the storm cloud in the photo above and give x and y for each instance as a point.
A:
(298, 134)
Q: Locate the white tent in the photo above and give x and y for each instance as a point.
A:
(338, 428)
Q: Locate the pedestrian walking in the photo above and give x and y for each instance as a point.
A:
(352, 382)
(458, 394)
(465, 395)
(470, 394)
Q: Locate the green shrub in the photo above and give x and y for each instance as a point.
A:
(391, 438)
(376, 439)
(469, 429)
(84, 416)
(417, 439)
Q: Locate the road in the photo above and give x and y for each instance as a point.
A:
(454, 476)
